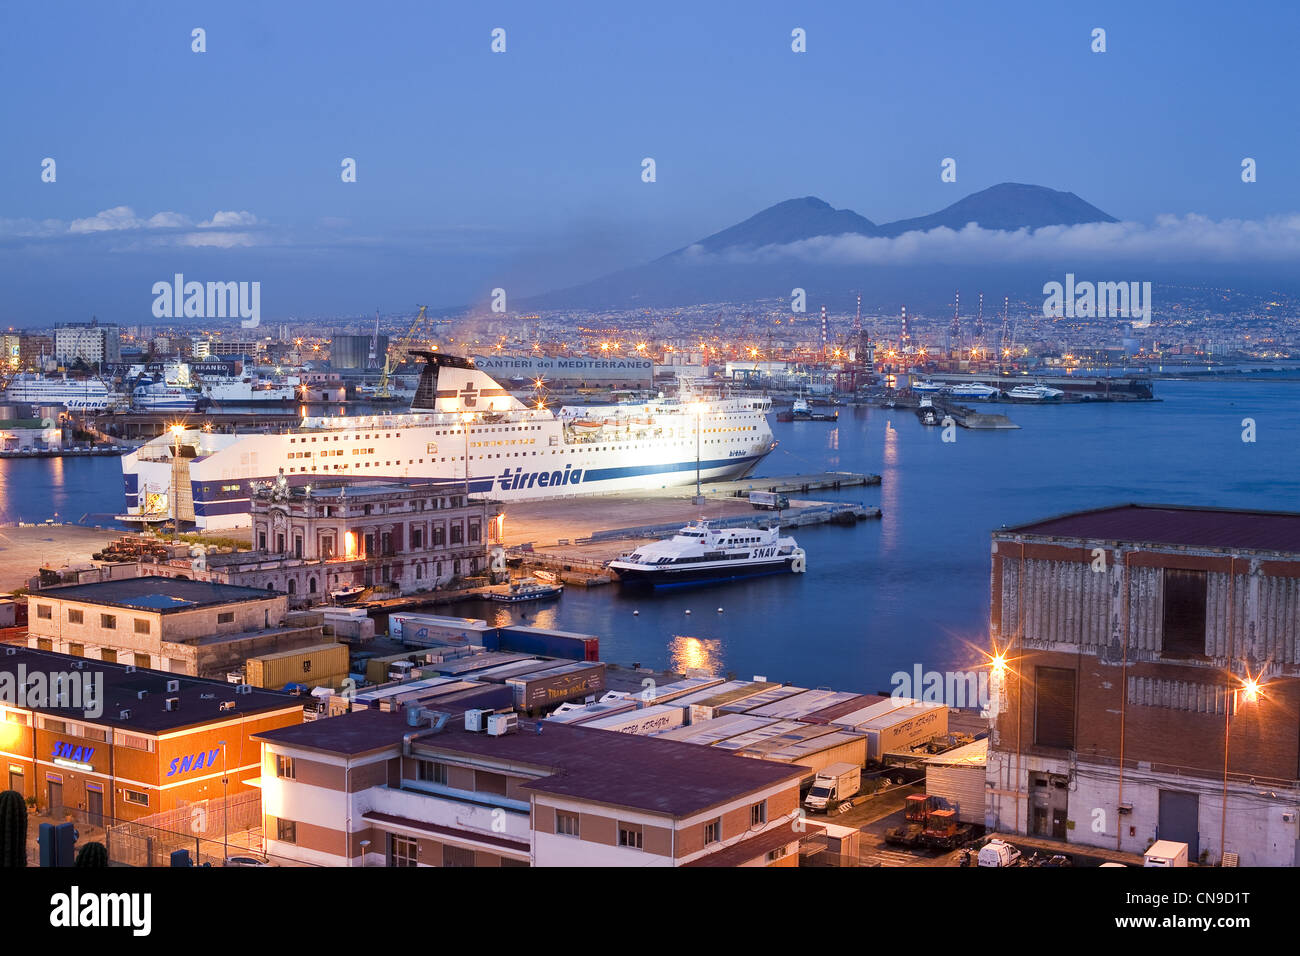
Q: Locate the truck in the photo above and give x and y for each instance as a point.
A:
(944, 832)
(998, 853)
(768, 501)
(1166, 853)
(916, 814)
(833, 786)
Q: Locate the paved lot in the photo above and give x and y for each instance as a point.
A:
(24, 550)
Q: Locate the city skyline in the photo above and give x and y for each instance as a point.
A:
(502, 187)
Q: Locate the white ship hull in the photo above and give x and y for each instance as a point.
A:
(71, 394)
(514, 452)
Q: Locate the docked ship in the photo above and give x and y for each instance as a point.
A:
(976, 390)
(514, 451)
(699, 553)
(89, 394)
(245, 391)
(1035, 393)
(164, 396)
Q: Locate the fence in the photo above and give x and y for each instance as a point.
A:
(210, 829)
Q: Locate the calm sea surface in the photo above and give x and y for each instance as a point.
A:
(883, 595)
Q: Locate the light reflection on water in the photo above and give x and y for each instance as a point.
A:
(693, 653)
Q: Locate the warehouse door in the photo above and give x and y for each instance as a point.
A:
(95, 806)
(1179, 820)
(54, 797)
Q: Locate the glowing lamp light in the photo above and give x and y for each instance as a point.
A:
(1250, 689)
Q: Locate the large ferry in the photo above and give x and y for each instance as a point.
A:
(77, 394)
(246, 391)
(465, 430)
(700, 553)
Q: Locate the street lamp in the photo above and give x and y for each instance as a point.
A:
(177, 430)
(225, 803)
(465, 419)
(698, 408)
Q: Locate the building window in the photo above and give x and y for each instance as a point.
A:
(1054, 707)
(285, 767)
(758, 814)
(142, 660)
(457, 534)
(776, 854)
(417, 539)
(136, 797)
(226, 617)
(108, 622)
(713, 831)
(457, 856)
(402, 851)
(431, 772)
(108, 654)
(141, 626)
(439, 536)
(75, 616)
(566, 823)
(629, 835)
(44, 612)
(134, 741)
(286, 831)
(1183, 633)
(493, 783)
(77, 650)
(474, 532)
(261, 541)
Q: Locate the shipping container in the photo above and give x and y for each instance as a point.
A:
(645, 722)
(378, 668)
(903, 729)
(499, 674)
(571, 713)
(478, 662)
(674, 691)
(708, 732)
(551, 643)
(769, 696)
(871, 711)
(957, 779)
(817, 752)
(755, 737)
(833, 712)
(798, 705)
(363, 699)
(707, 705)
(547, 688)
(430, 629)
(321, 665)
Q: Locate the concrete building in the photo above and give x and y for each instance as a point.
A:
(371, 788)
(91, 342)
(130, 742)
(358, 351)
(308, 541)
(1150, 684)
(187, 627)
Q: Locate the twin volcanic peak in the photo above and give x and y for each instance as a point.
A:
(1007, 206)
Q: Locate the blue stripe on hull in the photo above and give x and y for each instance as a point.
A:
(237, 501)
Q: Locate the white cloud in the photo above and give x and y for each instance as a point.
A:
(1170, 239)
(217, 240)
(168, 220)
(109, 220)
(31, 228)
(227, 220)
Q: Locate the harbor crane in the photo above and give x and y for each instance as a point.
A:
(396, 353)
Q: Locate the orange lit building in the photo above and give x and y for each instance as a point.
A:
(122, 742)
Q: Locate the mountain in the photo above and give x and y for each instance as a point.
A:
(1007, 206)
(789, 221)
(686, 277)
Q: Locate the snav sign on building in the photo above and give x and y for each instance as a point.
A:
(204, 758)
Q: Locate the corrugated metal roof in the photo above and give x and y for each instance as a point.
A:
(975, 754)
(1176, 525)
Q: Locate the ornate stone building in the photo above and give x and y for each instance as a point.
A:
(310, 540)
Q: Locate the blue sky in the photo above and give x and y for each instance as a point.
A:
(523, 169)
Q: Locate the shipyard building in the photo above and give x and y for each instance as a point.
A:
(1148, 683)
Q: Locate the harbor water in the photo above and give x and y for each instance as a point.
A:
(881, 596)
